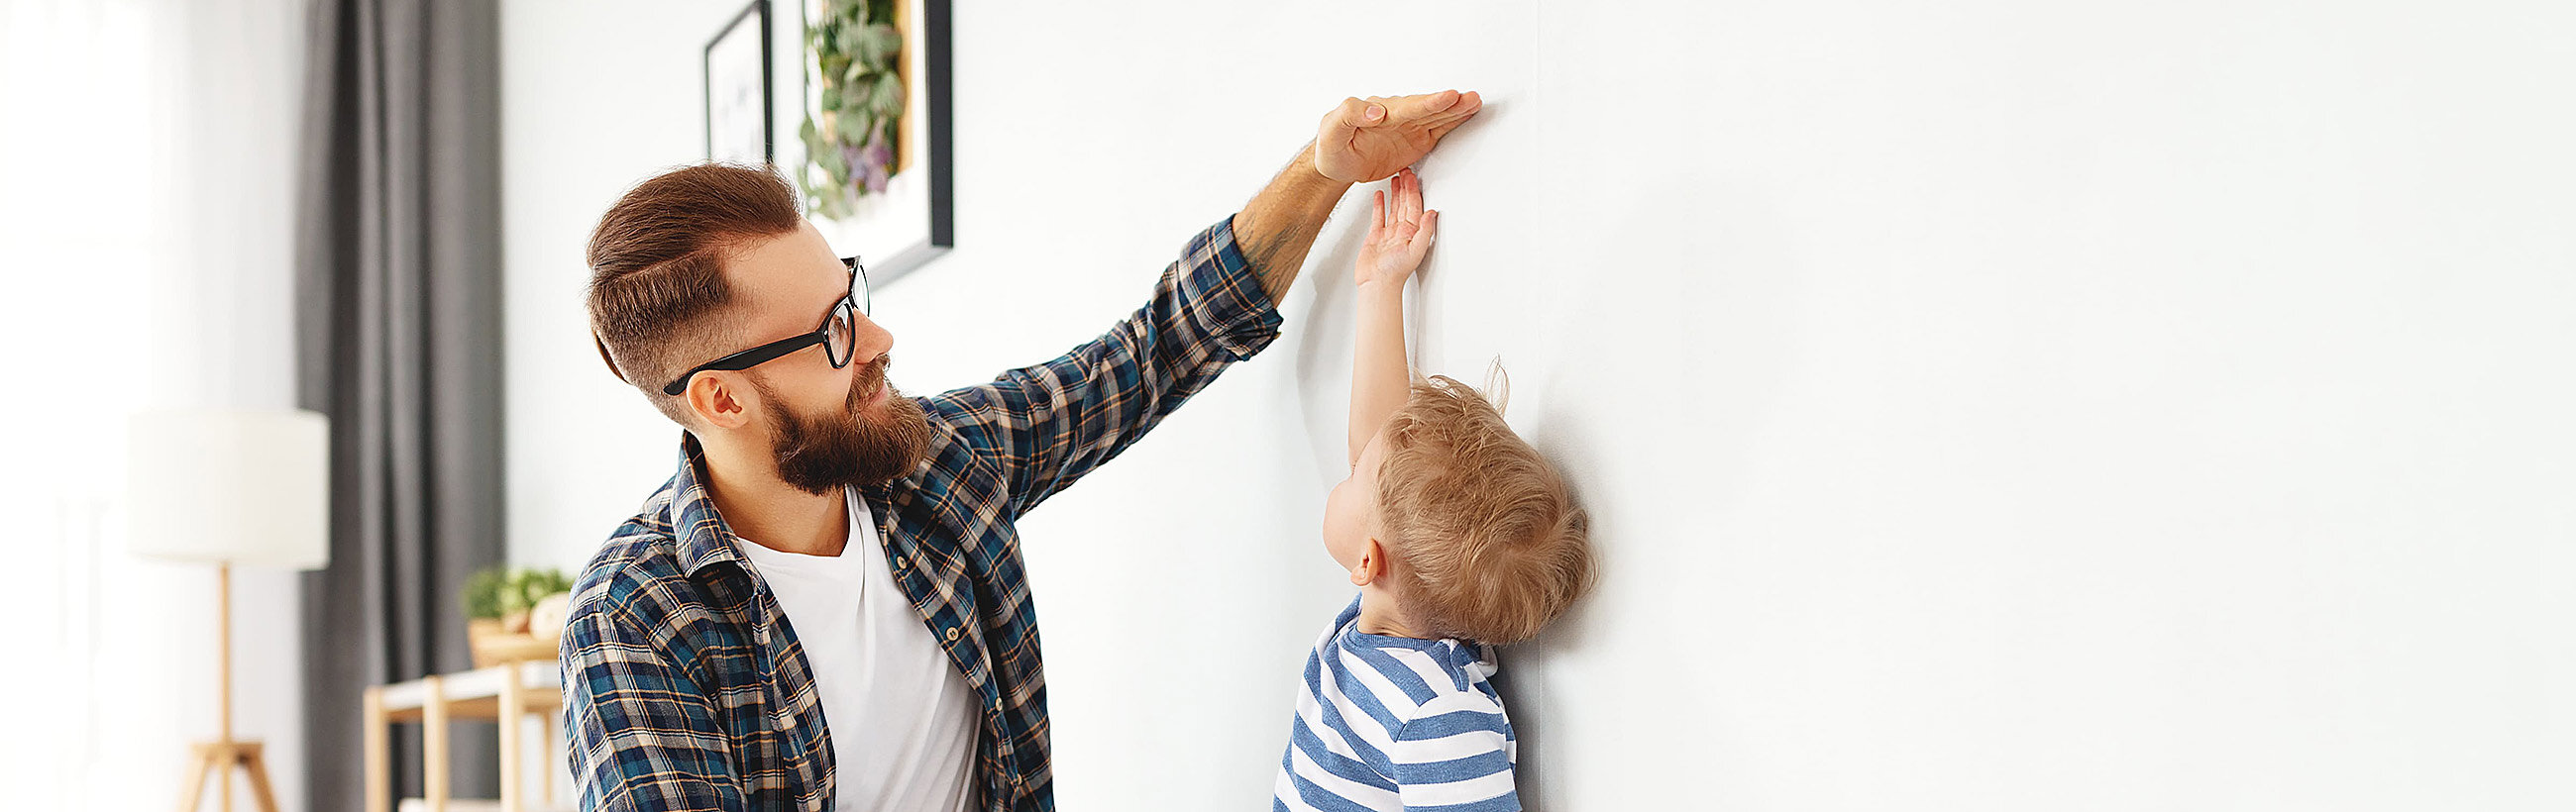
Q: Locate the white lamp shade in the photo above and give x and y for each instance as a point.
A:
(240, 487)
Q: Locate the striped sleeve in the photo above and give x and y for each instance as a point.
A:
(1455, 757)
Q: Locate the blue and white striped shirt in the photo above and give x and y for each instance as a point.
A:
(1396, 723)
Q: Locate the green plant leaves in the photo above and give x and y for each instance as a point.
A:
(855, 50)
(499, 590)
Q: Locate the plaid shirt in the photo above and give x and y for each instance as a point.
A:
(684, 686)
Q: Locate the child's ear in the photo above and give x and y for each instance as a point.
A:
(1372, 564)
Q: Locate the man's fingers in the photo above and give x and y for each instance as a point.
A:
(1424, 105)
(1466, 104)
(1449, 119)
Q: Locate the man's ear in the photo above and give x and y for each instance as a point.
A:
(718, 400)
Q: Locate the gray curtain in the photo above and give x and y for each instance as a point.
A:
(398, 340)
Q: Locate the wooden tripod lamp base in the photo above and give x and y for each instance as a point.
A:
(219, 758)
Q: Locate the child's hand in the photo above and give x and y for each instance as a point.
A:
(1399, 233)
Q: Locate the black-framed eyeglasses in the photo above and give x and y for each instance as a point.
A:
(839, 331)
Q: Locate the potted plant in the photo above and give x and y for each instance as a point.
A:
(481, 600)
(524, 590)
(497, 603)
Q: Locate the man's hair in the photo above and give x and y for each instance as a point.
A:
(657, 285)
(1484, 541)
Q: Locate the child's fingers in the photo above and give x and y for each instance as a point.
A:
(1417, 196)
(1377, 212)
(1422, 239)
(1409, 204)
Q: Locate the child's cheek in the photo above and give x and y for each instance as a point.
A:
(1333, 523)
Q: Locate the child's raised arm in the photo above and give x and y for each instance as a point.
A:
(1399, 235)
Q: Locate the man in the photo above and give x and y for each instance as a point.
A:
(825, 608)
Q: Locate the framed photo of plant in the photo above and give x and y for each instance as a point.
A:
(739, 97)
(871, 152)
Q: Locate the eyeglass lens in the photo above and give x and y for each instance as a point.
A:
(839, 335)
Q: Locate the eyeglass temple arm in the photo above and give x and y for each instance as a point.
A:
(745, 360)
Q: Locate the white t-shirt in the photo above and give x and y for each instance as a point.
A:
(901, 722)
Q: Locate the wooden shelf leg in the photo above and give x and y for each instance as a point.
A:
(433, 744)
(546, 750)
(380, 759)
(513, 715)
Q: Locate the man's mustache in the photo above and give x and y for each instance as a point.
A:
(870, 377)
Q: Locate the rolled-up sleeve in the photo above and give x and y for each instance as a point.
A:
(1049, 424)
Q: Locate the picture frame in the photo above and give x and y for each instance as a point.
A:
(741, 99)
(905, 218)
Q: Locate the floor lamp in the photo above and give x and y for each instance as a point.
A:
(226, 488)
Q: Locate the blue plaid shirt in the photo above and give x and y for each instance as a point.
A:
(684, 686)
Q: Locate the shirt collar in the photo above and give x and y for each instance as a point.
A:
(700, 531)
(703, 536)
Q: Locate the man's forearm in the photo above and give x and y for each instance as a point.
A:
(1276, 229)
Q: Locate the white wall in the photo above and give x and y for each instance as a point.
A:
(146, 175)
(1988, 405)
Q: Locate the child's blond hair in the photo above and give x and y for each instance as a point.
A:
(1485, 541)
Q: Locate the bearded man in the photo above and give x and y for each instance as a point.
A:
(824, 608)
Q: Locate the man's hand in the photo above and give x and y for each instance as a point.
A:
(1369, 139)
(1399, 234)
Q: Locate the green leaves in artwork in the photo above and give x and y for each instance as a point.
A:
(851, 135)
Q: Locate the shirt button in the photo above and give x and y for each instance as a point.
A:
(952, 634)
(898, 562)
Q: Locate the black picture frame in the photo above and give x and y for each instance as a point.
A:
(930, 34)
(752, 23)
(943, 175)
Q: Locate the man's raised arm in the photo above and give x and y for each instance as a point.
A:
(1049, 424)
(1361, 141)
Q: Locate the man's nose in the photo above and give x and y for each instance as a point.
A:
(871, 342)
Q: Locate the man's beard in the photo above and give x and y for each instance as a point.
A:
(848, 448)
